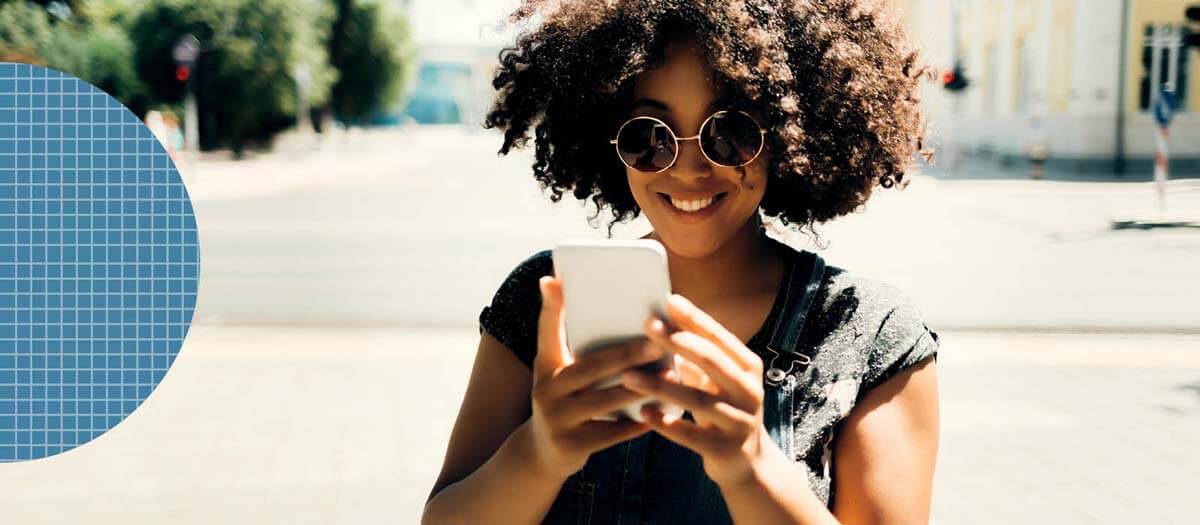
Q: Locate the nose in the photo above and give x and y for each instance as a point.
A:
(691, 164)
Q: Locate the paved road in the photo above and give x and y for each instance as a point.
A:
(348, 425)
(420, 227)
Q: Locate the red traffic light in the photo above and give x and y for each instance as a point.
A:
(953, 79)
(182, 73)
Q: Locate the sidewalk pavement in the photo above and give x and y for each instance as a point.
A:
(298, 425)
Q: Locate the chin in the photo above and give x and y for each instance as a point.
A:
(689, 243)
(694, 237)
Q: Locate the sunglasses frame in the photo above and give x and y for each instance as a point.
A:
(761, 143)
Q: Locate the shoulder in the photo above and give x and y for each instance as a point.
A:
(862, 298)
(532, 268)
(519, 289)
(511, 316)
(874, 328)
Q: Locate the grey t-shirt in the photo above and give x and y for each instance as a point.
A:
(860, 332)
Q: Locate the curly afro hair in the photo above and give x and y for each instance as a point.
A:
(837, 81)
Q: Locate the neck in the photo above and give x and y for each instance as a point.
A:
(746, 263)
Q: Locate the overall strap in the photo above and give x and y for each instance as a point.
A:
(808, 270)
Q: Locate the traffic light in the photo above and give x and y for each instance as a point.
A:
(1193, 37)
(953, 79)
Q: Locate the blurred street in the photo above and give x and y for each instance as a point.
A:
(336, 326)
(354, 236)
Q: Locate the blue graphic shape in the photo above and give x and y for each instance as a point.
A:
(99, 262)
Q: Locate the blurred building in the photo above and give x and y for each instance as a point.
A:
(1075, 77)
(457, 45)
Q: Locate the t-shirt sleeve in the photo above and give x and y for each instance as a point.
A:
(902, 341)
(512, 316)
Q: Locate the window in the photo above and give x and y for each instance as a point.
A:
(1164, 65)
(1024, 71)
(990, 94)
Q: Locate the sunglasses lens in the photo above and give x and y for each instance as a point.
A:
(646, 145)
(731, 138)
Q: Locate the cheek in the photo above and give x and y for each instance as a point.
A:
(637, 187)
(754, 185)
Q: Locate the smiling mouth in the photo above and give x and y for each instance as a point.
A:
(691, 205)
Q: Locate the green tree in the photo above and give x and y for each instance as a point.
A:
(245, 74)
(102, 55)
(371, 48)
(24, 32)
(98, 52)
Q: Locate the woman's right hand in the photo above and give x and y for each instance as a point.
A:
(563, 433)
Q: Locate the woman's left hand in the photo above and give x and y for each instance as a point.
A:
(720, 384)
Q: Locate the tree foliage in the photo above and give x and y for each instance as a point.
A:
(374, 55)
(245, 75)
(252, 54)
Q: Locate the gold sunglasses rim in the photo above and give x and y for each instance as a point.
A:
(761, 143)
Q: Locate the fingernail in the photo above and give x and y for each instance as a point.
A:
(656, 326)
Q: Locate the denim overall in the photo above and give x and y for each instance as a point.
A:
(652, 480)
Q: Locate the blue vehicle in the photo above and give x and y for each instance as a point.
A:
(441, 86)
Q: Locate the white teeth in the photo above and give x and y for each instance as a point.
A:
(693, 205)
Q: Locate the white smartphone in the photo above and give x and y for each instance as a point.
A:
(610, 287)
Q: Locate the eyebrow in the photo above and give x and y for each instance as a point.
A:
(660, 105)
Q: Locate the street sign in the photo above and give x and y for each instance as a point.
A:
(186, 50)
(1164, 108)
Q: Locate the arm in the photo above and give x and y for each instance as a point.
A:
(885, 460)
(489, 457)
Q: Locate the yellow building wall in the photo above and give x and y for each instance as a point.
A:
(1062, 40)
(1144, 12)
(978, 30)
(1024, 25)
(980, 27)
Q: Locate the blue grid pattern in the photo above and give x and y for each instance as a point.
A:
(99, 262)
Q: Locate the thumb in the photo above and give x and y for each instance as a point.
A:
(551, 341)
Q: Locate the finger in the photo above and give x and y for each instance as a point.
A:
(590, 403)
(690, 317)
(729, 378)
(599, 435)
(678, 430)
(700, 403)
(691, 375)
(551, 345)
(598, 365)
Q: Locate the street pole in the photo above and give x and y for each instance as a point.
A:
(186, 51)
(1162, 159)
(303, 80)
(955, 98)
(191, 126)
(1164, 108)
(1122, 64)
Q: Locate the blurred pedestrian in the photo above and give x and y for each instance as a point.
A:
(165, 128)
(154, 121)
(1037, 150)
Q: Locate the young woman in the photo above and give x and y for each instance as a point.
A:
(810, 391)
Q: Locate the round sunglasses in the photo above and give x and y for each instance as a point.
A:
(727, 138)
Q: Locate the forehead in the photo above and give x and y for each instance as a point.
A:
(683, 80)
